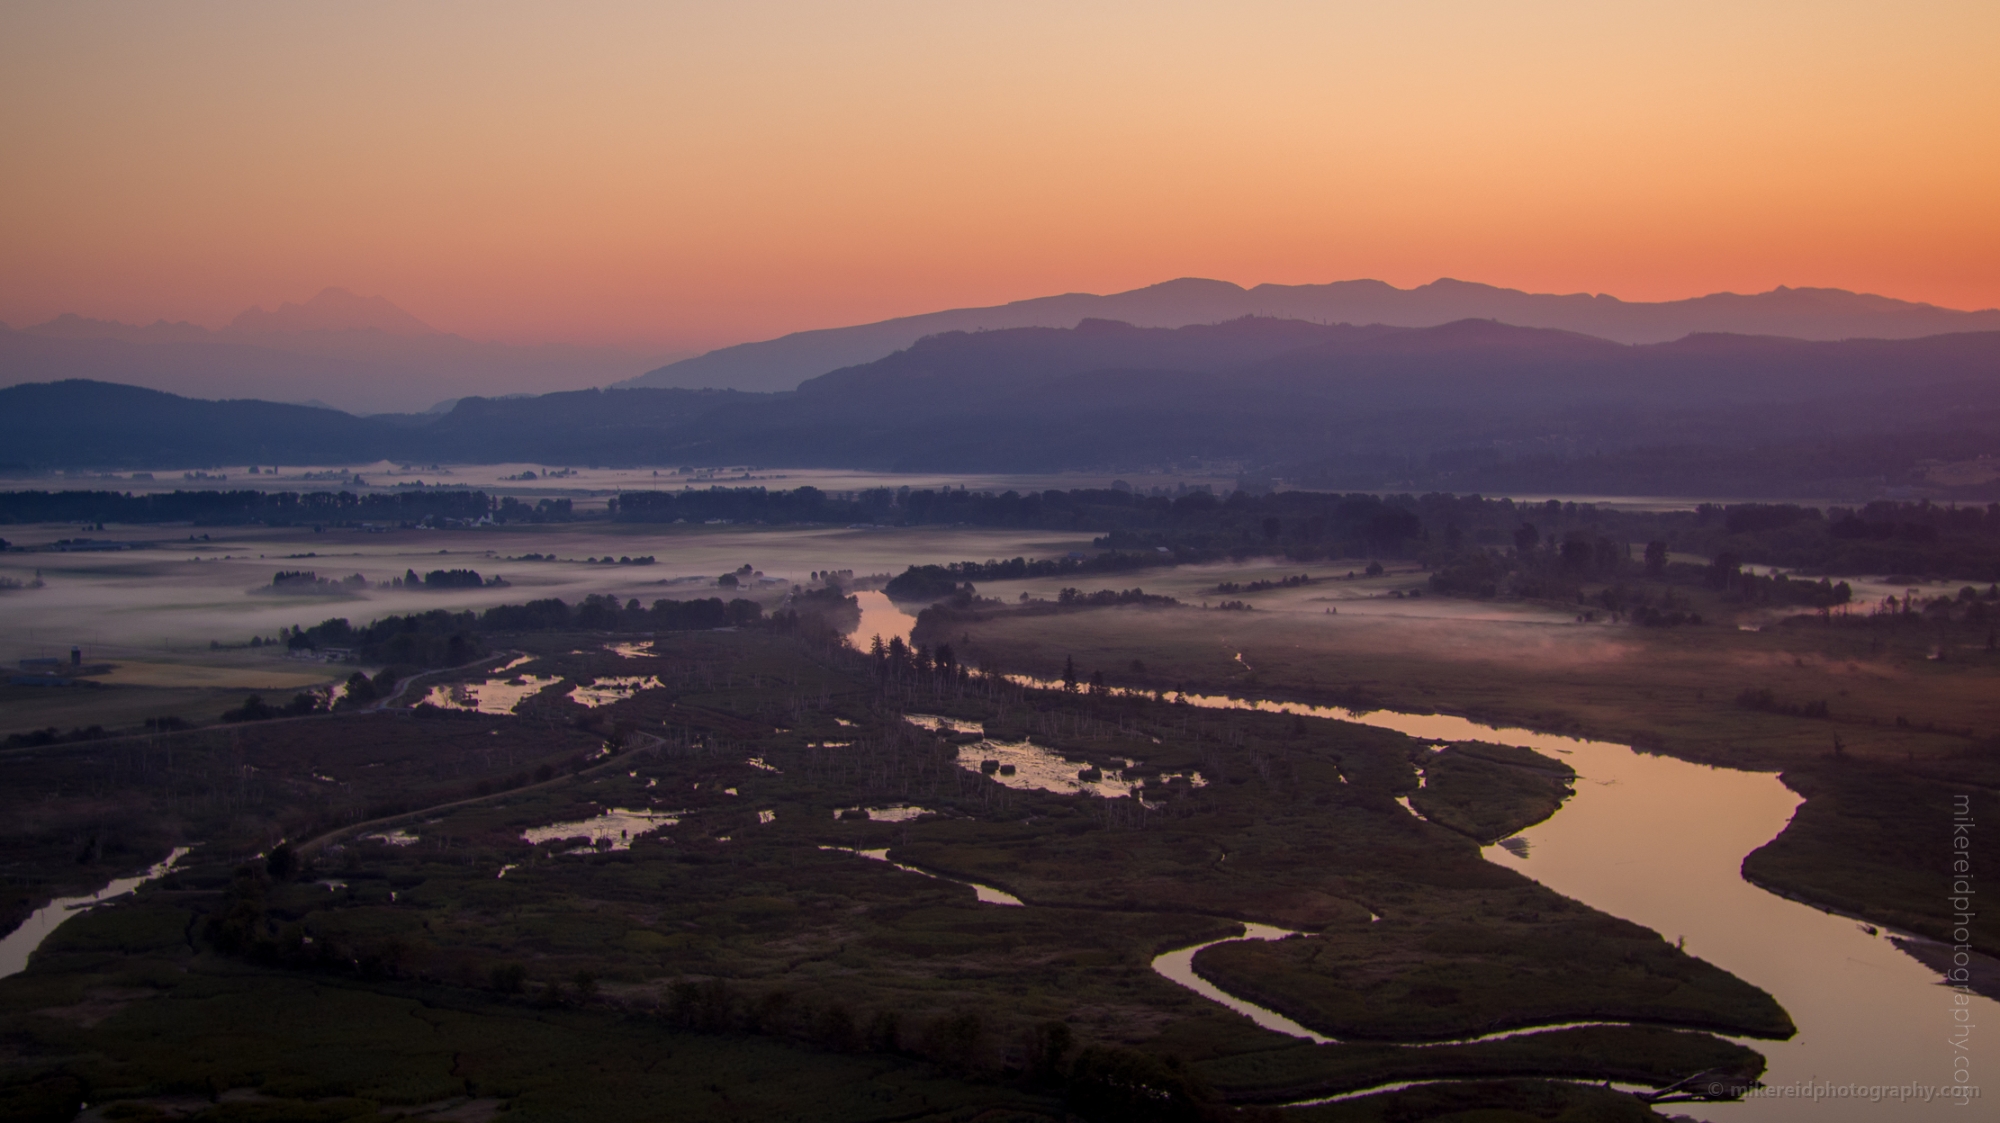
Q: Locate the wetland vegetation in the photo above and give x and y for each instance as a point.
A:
(744, 917)
(646, 850)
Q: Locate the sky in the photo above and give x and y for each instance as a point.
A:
(679, 176)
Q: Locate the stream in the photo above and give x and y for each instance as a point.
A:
(22, 942)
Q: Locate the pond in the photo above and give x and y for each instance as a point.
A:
(1027, 766)
(494, 696)
(605, 690)
(615, 826)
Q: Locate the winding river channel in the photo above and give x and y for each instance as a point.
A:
(1661, 842)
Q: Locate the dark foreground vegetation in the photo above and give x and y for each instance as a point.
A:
(441, 638)
(725, 949)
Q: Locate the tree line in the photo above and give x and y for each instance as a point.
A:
(1890, 537)
(442, 638)
(215, 508)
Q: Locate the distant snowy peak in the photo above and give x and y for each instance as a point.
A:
(334, 309)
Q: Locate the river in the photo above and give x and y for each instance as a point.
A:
(1661, 841)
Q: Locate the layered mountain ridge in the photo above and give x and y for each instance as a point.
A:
(1376, 406)
(1799, 313)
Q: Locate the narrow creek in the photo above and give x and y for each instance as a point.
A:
(22, 942)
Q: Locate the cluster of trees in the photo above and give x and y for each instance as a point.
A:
(446, 579)
(254, 708)
(928, 583)
(512, 510)
(308, 582)
(599, 613)
(215, 508)
(1726, 574)
(362, 690)
(1077, 598)
(1969, 607)
(1559, 570)
(900, 662)
(36, 738)
(1549, 548)
(437, 638)
(1293, 582)
(440, 638)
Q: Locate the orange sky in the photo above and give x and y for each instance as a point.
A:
(684, 175)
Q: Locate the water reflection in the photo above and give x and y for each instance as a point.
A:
(1178, 966)
(938, 724)
(879, 617)
(1661, 841)
(986, 893)
(1026, 766)
(494, 696)
(42, 923)
(897, 813)
(618, 826)
(605, 691)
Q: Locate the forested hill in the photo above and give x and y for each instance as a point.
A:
(1454, 407)
(84, 424)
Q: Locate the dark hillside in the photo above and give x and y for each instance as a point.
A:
(101, 424)
(1470, 405)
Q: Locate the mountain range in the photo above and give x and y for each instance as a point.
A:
(1798, 313)
(362, 354)
(1460, 406)
(365, 355)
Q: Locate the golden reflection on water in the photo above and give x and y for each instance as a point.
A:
(1661, 841)
(880, 617)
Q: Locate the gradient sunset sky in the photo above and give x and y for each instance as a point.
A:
(687, 175)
